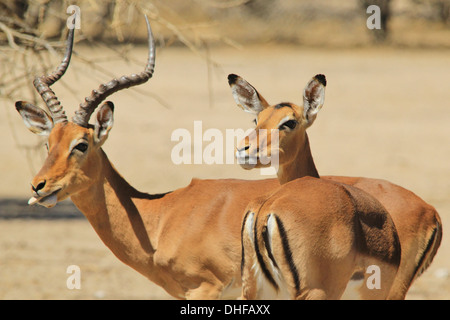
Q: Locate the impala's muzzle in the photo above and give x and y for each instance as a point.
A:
(46, 199)
(258, 149)
(246, 160)
(246, 155)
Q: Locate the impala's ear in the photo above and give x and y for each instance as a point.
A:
(246, 95)
(313, 97)
(36, 119)
(104, 122)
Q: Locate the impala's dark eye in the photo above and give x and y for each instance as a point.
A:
(82, 146)
(290, 124)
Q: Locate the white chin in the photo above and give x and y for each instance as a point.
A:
(247, 166)
(48, 202)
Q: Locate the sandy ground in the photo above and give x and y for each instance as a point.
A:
(386, 115)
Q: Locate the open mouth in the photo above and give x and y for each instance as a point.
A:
(46, 201)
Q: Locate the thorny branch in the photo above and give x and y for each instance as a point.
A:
(25, 52)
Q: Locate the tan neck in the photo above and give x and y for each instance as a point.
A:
(302, 164)
(113, 208)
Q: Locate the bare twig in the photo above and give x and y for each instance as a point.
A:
(223, 4)
(26, 53)
(10, 37)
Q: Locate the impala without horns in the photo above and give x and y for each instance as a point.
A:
(312, 238)
(418, 224)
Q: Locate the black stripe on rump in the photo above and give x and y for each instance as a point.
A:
(242, 241)
(288, 253)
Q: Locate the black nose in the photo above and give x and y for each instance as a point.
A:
(39, 186)
(244, 148)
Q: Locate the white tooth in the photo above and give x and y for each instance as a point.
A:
(32, 201)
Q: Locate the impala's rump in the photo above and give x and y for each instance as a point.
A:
(310, 237)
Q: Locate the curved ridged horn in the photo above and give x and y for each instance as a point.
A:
(43, 83)
(86, 109)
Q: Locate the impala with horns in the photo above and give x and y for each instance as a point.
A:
(418, 224)
(186, 241)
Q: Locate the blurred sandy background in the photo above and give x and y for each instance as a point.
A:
(386, 115)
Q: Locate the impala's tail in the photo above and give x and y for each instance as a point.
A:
(430, 250)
